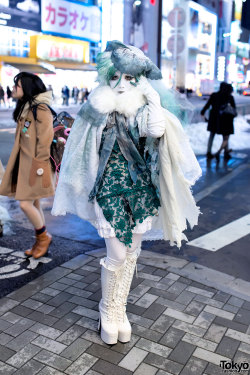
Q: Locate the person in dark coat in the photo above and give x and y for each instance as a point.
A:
(220, 123)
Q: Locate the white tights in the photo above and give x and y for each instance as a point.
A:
(117, 251)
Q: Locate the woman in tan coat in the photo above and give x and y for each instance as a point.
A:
(28, 176)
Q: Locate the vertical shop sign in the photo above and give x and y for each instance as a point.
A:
(61, 17)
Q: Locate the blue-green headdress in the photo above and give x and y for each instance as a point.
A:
(126, 59)
(131, 60)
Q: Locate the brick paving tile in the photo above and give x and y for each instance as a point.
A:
(185, 280)
(215, 333)
(31, 303)
(179, 315)
(83, 302)
(22, 340)
(214, 370)
(133, 359)
(146, 333)
(49, 344)
(62, 310)
(182, 352)
(185, 297)
(45, 309)
(74, 350)
(222, 296)
(194, 366)
(66, 322)
(163, 363)
(133, 318)
(173, 276)
(6, 369)
(138, 310)
(91, 372)
(59, 299)
(59, 286)
(245, 348)
(77, 292)
(42, 318)
(7, 304)
(209, 301)
(163, 293)
(172, 337)
(154, 311)
(93, 337)
(204, 319)
(71, 334)
(87, 323)
(238, 336)
(105, 354)
(231, 308)
(53, 360)
(50, 291)
(23, 356)
(194, 308)
(200, 291)
(19, 327)
(242, 357)
(21, 310)
(235, 301)
(94, 287)
(5, 353)
(30, 368)
(84, 311)
(4, 338)
(200, 342)
(219, 312)
(46, 331)
(209, 356)
(4, 324)
(145, 369)
(146, 300)
(230, 324)
(153, 347)
(161, 273)
(162, 324)
(242, 317)
(161, 372)
(125, 348)
(228, 347)
(177, 288)
(140, 290)
(246, 305)
(11, 317)
(186, 327)
(81, 365)
(41, 297)
(171, 304)
(107, 368)
(96, 296)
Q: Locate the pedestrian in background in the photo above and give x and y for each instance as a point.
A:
(222, 113)
(65, 95)
(75, 94)
(28, 176)
(123, 171)
(2, 95)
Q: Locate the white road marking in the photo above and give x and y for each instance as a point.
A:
(223, 236)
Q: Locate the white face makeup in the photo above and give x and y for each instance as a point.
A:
(124, 84)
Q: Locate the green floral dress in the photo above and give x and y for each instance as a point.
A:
(122, 201)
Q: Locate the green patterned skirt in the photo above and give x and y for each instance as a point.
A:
(124, 203)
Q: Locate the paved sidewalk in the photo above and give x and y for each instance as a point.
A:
(186, 319)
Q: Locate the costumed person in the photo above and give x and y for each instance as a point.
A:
(127, 168)
(28, 176)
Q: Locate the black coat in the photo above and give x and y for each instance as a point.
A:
(219, 124)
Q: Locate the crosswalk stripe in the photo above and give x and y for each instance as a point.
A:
(223, 236)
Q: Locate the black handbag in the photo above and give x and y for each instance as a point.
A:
(227, 110)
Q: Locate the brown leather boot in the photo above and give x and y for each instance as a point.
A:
(29, 252)
(43, 241)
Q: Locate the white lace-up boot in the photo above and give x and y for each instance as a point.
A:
(107, 306)
(125, 279)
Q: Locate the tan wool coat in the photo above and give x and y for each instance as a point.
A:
(30, 153)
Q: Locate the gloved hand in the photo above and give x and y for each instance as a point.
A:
(147, 90)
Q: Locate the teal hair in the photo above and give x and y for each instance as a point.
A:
(105, 67)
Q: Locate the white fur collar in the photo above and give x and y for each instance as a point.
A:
(105, 100)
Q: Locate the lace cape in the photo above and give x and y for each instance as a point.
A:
(174, 170)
